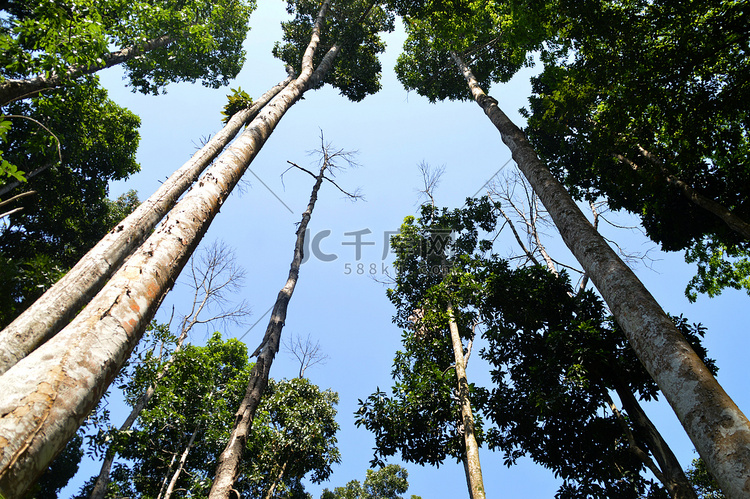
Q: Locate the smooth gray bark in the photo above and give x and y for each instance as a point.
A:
(714, 423)
(53, 310)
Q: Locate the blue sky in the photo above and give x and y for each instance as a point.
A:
(348, 312)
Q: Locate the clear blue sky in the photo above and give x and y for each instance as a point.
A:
(349, 314)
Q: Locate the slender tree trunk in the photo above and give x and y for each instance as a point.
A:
(50, 391)
(714, 423)
(53, 310)
(180, 466)
(229, 460)
(102, 481)
(165, 482)
(15, 89)
(471, 463)
(276, 480)
(673, 476)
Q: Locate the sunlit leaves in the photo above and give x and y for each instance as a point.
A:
(56, 36)
(355, 26)
(237, 101)
(494, 37)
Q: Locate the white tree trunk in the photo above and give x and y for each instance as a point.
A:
(53, 310)
(49, 393)
(714, 423)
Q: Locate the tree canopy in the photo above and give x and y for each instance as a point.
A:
(383, 483)
(353, 27)
(613, 112)
(645, 103)
(202, 40)
(192, 412)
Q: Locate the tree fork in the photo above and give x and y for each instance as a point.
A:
(714, 423)
(57, 306)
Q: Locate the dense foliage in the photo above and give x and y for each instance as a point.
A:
(384, 483)
(354, 26)
(293, 435)
(421, 420)
(557, 359)
(639, 101)
(44, 36)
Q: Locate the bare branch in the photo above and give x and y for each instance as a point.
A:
(430, 179)
(214, 275)
(306, 353)
(328, 162)
(16, 197)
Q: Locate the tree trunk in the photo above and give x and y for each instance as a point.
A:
(180, 466)
(714, 423)
(15, 89)
(471, 448)
(276, 480)
(673, 475)
(164, 482)
(53, 310)
(50, 391)
(229, 460)
(100, 486)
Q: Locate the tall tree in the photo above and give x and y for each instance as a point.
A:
(613, 114)
(227, 470)
(694, 394)
(429, 416)
(99, 340)
(46, 44)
